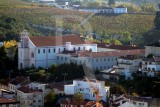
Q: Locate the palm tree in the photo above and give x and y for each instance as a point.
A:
(78, 98)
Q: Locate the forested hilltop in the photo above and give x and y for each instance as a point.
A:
(40, 20)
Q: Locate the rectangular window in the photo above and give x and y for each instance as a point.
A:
(49, 50)
(21, 54)
(57, 57)
(54, 50)
(43, 50)
(38, 50)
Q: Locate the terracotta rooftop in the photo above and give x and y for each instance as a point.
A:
(156, 44)
(140, 99)
(107, 53)
(29, 90)
(154, 59)
(129, 57)
(59, 87)
(8, 101)
(55, 40)
(84, 103)
(113, 46)
(19, 80)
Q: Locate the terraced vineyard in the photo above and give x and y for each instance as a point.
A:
(26, 14)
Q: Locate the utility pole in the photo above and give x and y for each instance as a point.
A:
(64, 74)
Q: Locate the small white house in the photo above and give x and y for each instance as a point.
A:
(84, 87)
(120, 9)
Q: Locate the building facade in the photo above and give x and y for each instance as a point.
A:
(30, 97)
(84, 87)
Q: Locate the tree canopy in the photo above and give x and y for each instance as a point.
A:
(78, 98)
(111, 2)
(157, 20)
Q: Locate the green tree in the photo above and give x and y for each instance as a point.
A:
(3, 58)
(158, 5)
(148, 8)
(131, 7)
(52, 69)
(50, 99)
(111, 2)
(117, 89)
(126, 37)
(157, 20)
(78, 98)
(93, 5)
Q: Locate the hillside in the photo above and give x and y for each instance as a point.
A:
(40, 20)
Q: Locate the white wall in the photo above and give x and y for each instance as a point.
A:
(120, 10)
(69, 89)
(86, 90)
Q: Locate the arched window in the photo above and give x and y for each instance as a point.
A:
(32, 66)
(21, 65)
(83, 48)
(90, 50)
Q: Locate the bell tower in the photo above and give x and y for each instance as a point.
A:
(24, 39)
(23, 50)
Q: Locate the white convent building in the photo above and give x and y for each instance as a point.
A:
(41, 51)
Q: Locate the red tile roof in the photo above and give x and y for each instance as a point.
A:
(19, 80)
(141, 99)
(29, 90)
(55, 40)
(113, 46)
(108, 53)
(84, 103)
(129, 57)
(7, 101)
(59, 87)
